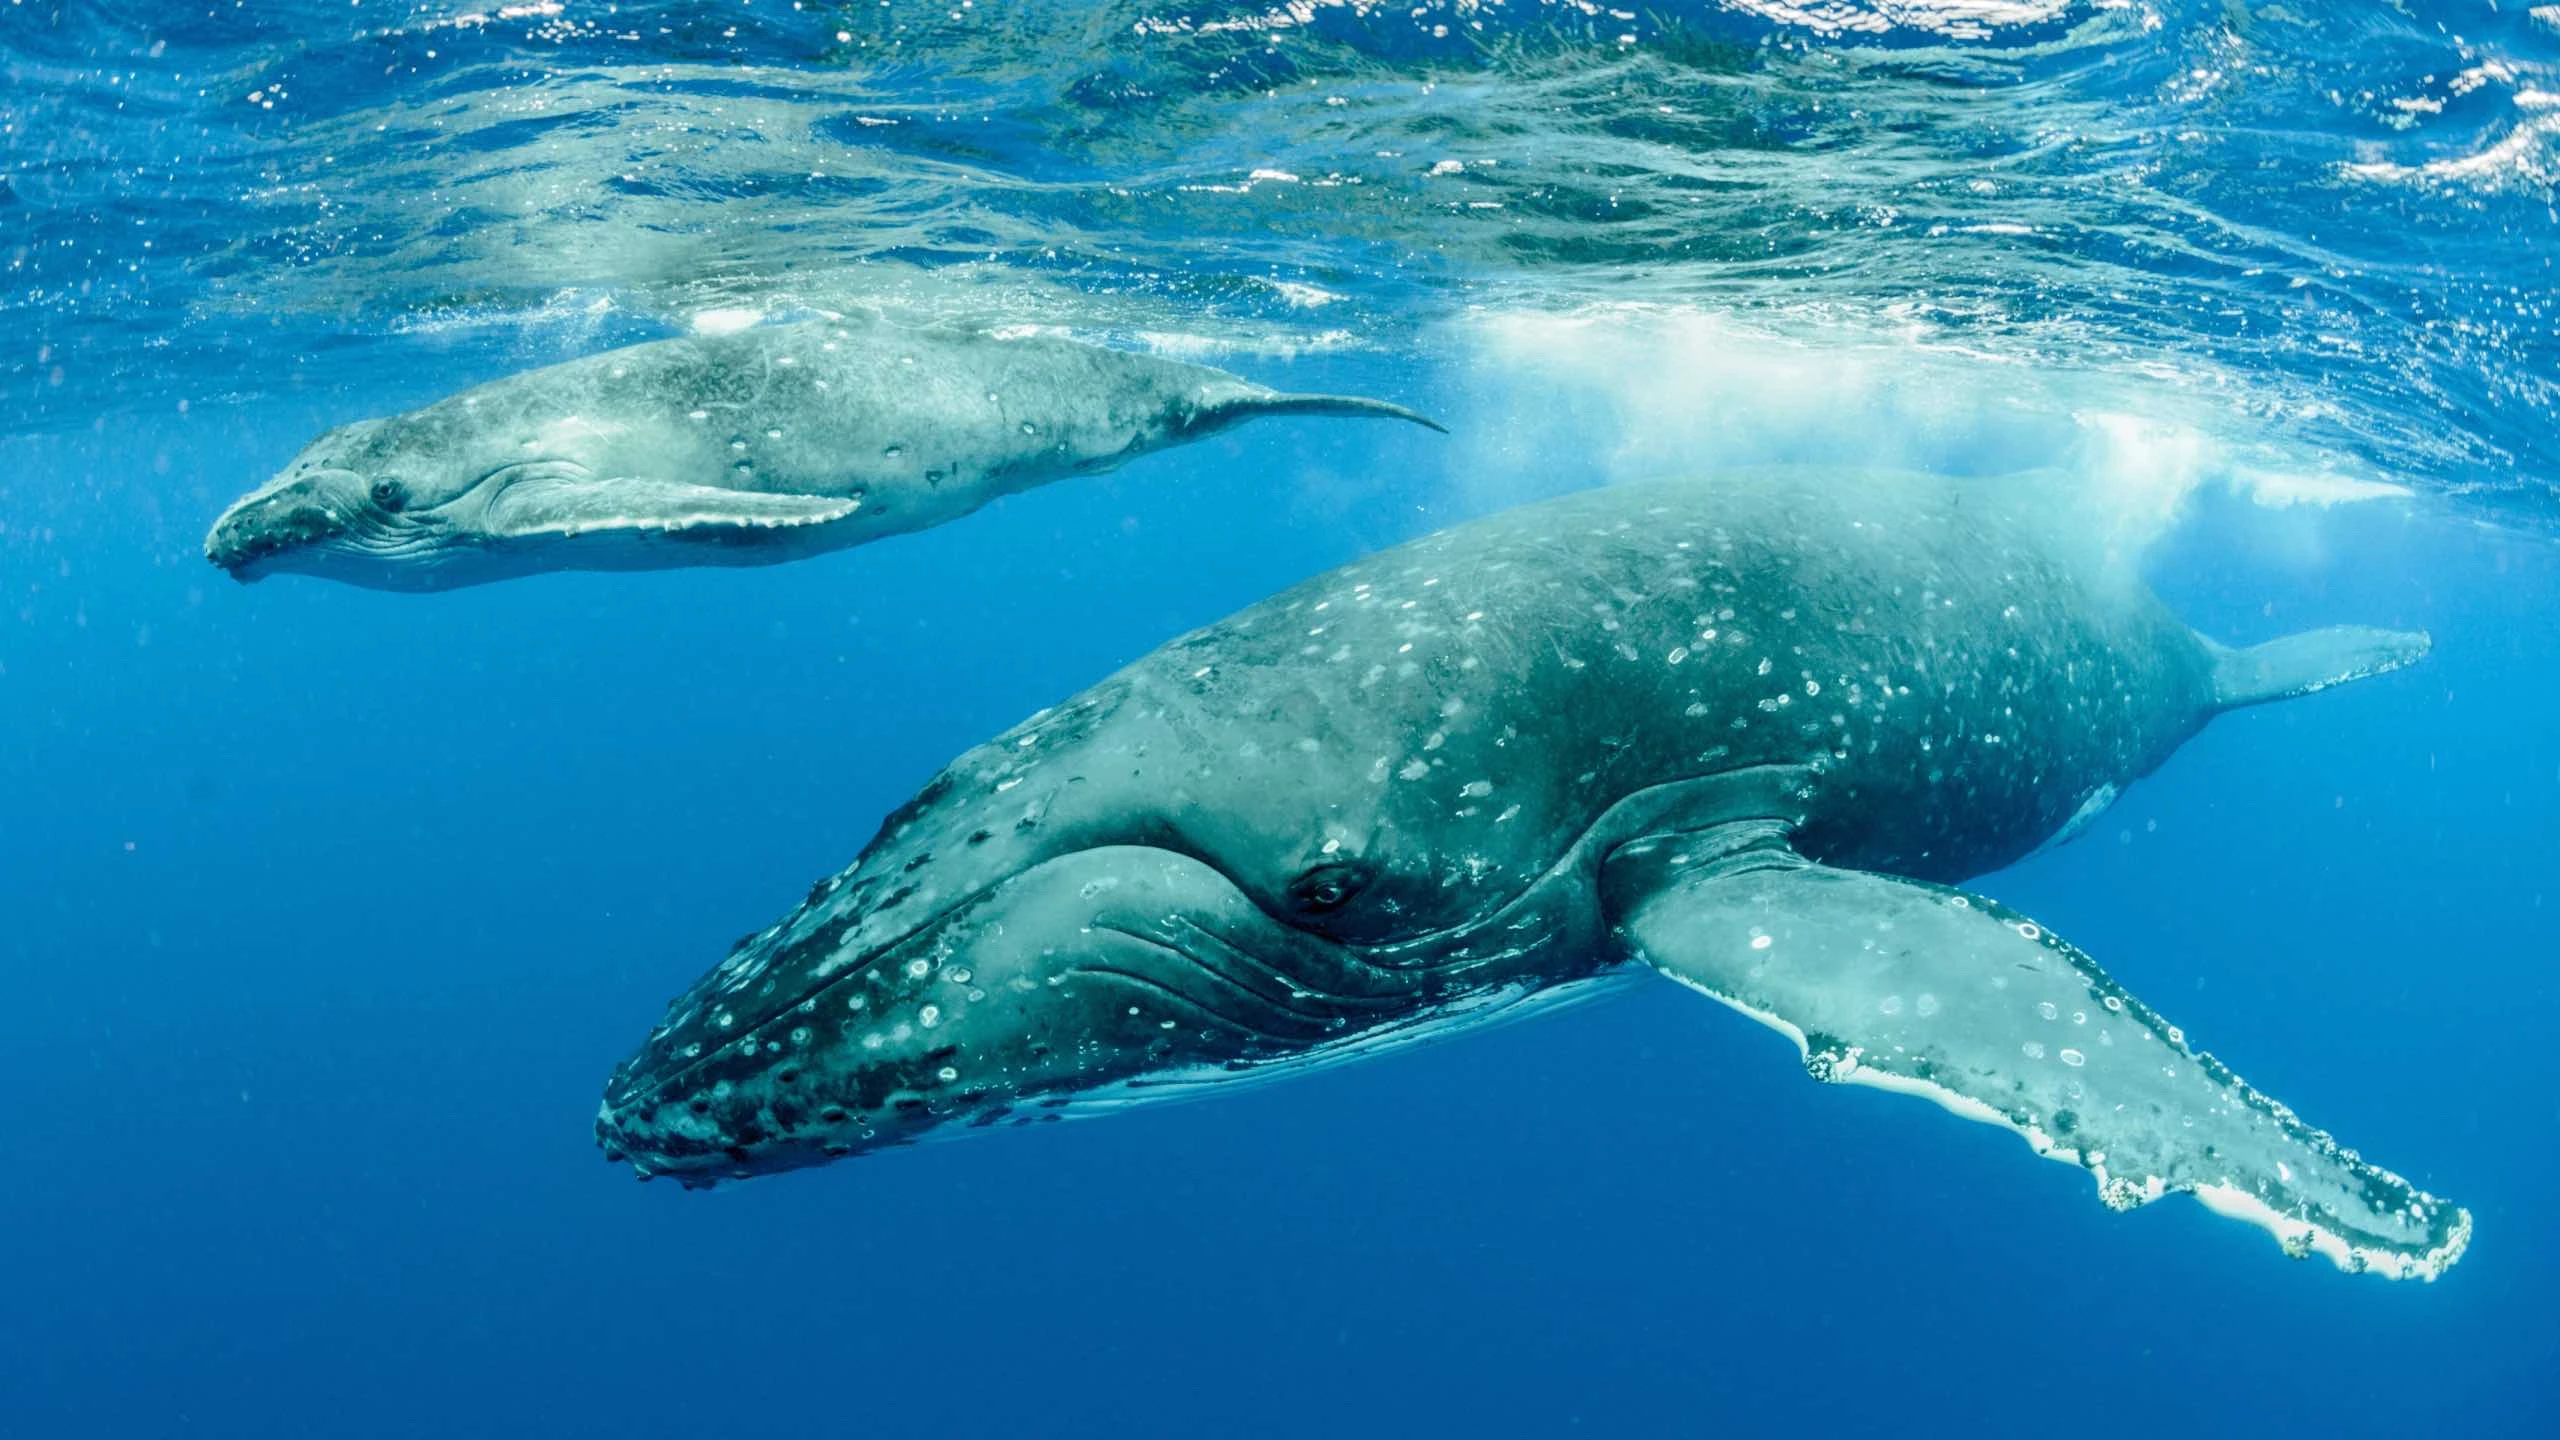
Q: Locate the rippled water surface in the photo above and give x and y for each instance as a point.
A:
(2321, 230)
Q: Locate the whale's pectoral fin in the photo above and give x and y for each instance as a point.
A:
(2313, 660)
(1929, 991)
(562, 506)
(1233, 402)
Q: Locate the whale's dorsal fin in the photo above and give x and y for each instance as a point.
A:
(548, 507)
(2313, 660)
(1929, 991)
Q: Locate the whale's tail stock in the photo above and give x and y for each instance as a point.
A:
(2313, 660)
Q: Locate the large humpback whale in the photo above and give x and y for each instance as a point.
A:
(743, 449)
(1748, 735)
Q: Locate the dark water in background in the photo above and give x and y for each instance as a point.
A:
(327, 911)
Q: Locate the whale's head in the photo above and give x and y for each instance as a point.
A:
(369, 503)
(456, 494)
(1117, 901)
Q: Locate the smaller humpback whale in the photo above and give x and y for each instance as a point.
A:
(1750, 736)
(743, 449)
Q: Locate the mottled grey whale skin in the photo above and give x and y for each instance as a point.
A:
(746, 449)
(1745, 734)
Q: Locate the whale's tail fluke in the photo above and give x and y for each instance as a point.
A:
(1225, 410)
(2313, 660)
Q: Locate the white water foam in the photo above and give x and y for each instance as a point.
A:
(1644, 392)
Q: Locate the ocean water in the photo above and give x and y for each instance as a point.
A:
(324, 912)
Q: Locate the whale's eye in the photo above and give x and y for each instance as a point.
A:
(390, 494)
(1327, 888)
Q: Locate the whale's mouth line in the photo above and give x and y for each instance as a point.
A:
(286, 554)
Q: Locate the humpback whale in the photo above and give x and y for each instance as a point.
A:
(1751, 736)
(744, 449)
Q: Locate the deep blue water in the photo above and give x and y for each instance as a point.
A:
(330, 910)
(324, 913)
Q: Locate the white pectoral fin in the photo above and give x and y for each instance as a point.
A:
(1928, 991)
(565, 506)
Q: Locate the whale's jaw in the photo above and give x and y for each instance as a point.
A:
(1109, 973)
